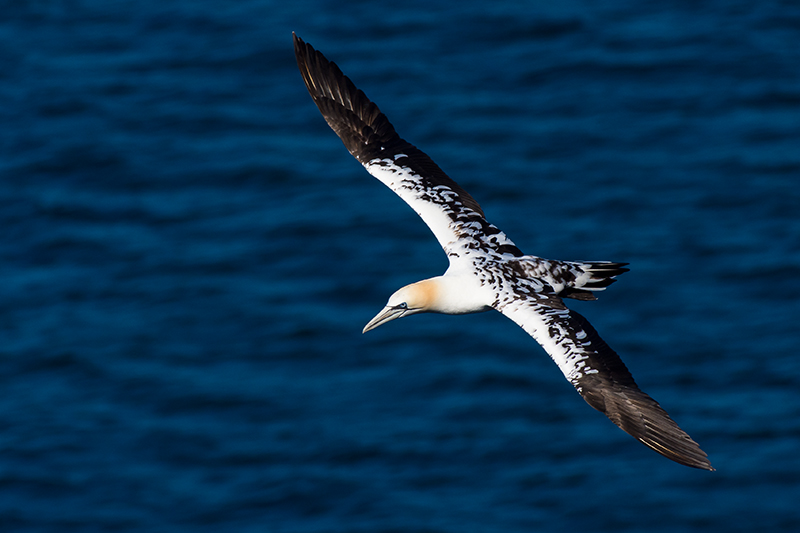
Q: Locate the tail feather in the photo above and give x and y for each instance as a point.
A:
(601, 273)
(573, 279)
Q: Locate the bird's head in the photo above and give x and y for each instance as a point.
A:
(410, 300)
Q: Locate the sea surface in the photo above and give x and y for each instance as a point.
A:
(188, 255)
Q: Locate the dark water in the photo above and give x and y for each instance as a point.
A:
(188, 256)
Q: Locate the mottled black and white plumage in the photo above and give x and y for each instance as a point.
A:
(487, 270)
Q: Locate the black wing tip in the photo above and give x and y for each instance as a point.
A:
(357, 120)
(614, 393)
(689, 453)
(641, 417)
(656, 429)
(300, 46)
(314, 66)
(305, 53)
(663, 435)
(310, 59)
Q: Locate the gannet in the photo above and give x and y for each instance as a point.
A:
(488, 271)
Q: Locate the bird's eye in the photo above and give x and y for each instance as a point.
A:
(402, 306)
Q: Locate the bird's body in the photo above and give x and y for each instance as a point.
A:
(487, 270)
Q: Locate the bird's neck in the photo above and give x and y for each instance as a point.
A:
(454, 295)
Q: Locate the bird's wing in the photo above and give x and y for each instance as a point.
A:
(453, 216)
(601, 377)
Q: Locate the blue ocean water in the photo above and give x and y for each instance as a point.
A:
(189, 255)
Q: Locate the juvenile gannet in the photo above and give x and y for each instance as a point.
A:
(487, 270)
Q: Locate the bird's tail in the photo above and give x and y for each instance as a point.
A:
(597, 276)
(573, 279)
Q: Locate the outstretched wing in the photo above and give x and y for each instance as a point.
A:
(453, 216)
(601, 377)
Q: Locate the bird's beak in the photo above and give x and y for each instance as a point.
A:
(387, 314)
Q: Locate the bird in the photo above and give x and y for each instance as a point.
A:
(487, 271)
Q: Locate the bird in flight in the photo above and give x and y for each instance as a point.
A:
(488, 271)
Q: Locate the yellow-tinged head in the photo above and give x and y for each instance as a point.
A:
(419, 297)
